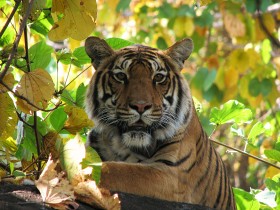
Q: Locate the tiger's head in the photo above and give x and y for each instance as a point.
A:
(139, 91)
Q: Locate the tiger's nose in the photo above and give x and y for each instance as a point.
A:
(140, 107)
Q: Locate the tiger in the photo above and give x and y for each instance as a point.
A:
(147, 131)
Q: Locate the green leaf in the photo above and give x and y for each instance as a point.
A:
(254, 87)
(40, 55)
(118, 43)
(64, 56)
(267, 197)
(206, 19)
(2, 3)
(245, 200)
(8, 37)
(255, 131)
(161, 43)
(231, 112)
(200, 77)
(210, 78)
(272, 154)
(57, 119)
(41, 125)
(80, 57)
(266, 87)
(266, 51)
(93, 160)
(166, 11)
(123, 5)
(18, 173)
(80, 95)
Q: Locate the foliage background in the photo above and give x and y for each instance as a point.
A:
(45, 71)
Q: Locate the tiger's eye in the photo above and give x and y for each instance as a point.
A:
(159, 78)
(120, 76)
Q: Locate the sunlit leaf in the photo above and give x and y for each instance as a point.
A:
(231, 111)
(266, 51)
(40, 55)
(80, 95)
(77, 21)
(245, 200)
(93, 160)
(37, 86)
(72, 155)
(117, 43)
(80, 57)
(255, 131)
(272, 154)
(58, 118)
(267, 197)
(8, 117)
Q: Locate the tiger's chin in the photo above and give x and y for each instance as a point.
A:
(139, 142)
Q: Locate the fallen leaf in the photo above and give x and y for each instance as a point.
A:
(77, 22)
(55, 189)
(89, 193)
(37, 86)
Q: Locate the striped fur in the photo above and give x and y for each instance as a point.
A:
(146, 128)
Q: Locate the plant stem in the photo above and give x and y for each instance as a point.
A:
(245, 153)
(17, 3)
(26, 49)
(37, 144)
(16, 42)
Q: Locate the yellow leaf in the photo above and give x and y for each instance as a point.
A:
(77, 119)
(179, 26)
(37, 86)
(231, 77)
(9, 81)
(8, 117)
(271, 172)
(189, 26)
(239, 60)
(269, 23)
(233, 25)
(78, 19)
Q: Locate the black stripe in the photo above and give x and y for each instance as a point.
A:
(162, 146)
(190, 167)
(177, 163)
(180, 96)
(220, 189)
(95, 91)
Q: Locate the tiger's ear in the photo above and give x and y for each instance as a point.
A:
(180, 51)
(98, 50)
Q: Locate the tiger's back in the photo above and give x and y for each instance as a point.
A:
(147, 129)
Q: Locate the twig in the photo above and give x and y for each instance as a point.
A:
(263, 26)
(16, 42)
(17, 3)
(26, 57)
(37, 143)
(245, 153)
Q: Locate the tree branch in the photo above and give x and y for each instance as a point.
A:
(17, 3)
(16, 42)
(245, 153)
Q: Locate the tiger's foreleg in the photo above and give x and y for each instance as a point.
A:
(140, 179)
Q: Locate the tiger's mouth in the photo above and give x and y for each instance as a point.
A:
(138, 126)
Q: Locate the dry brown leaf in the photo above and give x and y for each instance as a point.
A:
(89, 193)
(37, 86)
(9, 81)
(234, 26)
(55, 189)
(78, 19)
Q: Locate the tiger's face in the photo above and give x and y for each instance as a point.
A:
(138, 91)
